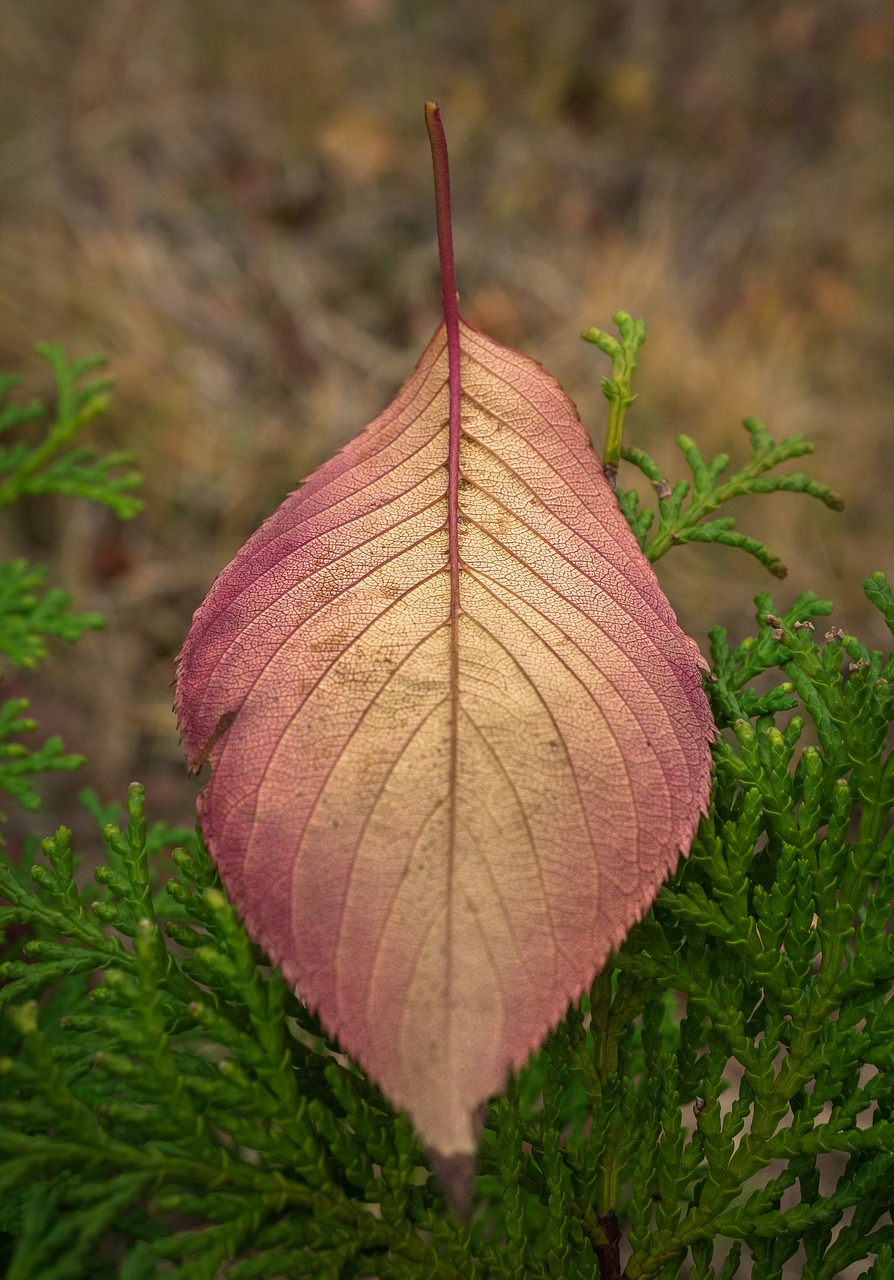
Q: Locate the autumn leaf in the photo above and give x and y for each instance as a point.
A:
(457, 737)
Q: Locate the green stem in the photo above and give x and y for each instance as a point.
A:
(606, 1036)
(617, 388)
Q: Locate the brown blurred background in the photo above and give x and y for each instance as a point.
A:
(232, 202)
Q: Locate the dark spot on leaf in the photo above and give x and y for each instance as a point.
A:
(204, 756)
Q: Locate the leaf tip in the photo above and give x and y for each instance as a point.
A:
(455, 1174)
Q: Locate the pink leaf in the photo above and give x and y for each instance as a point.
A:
(457, 737)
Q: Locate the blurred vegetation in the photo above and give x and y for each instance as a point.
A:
(234, 203)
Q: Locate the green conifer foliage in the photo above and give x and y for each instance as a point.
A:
(720, 1104)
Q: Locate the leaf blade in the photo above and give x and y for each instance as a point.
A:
(440, 949)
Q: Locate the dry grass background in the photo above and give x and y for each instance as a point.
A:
(232, 202)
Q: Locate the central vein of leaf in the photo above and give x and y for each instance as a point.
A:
(441, 169)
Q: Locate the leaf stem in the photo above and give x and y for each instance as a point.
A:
(441, 168)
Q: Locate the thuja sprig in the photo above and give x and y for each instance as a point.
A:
(767, 946)
(20, 764)
(683, 507)
(45, 461)
(29, 614)
(617, 388)
(55, 464)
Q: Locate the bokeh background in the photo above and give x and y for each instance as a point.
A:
(232, 202)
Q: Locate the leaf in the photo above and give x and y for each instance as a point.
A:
(457, 736)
